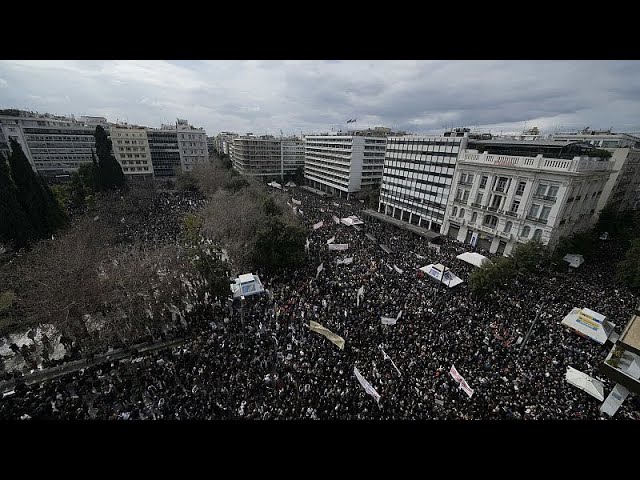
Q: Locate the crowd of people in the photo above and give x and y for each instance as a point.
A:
(259, 360)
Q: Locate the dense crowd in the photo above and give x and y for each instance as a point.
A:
(260, 361)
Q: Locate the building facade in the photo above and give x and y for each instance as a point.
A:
(344, 164)
(499, 200)
(622, 191)
(131, 150)
(417, 177)
(165, 151)
(53, 144)
(192, 143)
(266, 156)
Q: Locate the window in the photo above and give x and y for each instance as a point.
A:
(474, 217)
(525, 232)
(521, 187)
(535, 208)
(507, 227)
(537, 235)
(502, 183)
(462, 213)
(465, 196)
(515, 205)
(542, 189)
(544, 215)
(479, 198)
(490, 221)
(470, 178)
(553, 191)
(483, 181)
(455, 211)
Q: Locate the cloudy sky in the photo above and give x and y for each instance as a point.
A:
(316, 96)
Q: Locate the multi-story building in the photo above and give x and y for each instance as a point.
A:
(622, 191)
(507, 192)
(192, 143)
(53, 144)
(344, 164)
(224, 142)
(164, 150)
(131, 150)
(267, 156)
(417, 177)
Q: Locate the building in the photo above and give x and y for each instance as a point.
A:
(508, 191)
(224, 142)
(267, 156)
(131, 150)
(417, 177)
(192, 143)
(53, 144)
(165, 151)
(622, 191)
(344, 163)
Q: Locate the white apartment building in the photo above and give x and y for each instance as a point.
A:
(192, 143)
(266, 156)
(53, 144)
(344, 164)
(224, 142)
(417, 177)
(500, 200)
(623, 188)
(131, 150)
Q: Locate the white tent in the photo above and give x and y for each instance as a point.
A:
(246, 285)
(588, 323)
(473, 258)
(290, 184)
(442, 273)
(575, 260)
(593, 387)
(275, 185)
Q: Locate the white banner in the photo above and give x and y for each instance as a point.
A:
(388, 320)
(331, 240)
(366, 385)
(306, 245)
(346, 261)
(420, 257)
(474, 239)
(297, 202)
(300, 212)
(467, 389)
(399, 315)
(360, 294)
(398, 269)
(461, 381)
(336, 219)
(385, 249)
(318, 225)
(454, 373)
(338, 246)
(319, 269)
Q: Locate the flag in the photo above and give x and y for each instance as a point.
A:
(316, 327)
(398, 269)
(331, 240)
(366, 385)
(387, 357)
(319, 269)
(318, 225)
(360, 294)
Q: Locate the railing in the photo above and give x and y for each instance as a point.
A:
(545, 197)
(505, 235)
(476, 205)
(511, 214)
(487, 228)
(492, 209)
(537, 220)
(499, 189)
(460, 201)
(465, 183)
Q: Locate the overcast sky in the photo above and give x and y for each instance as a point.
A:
(316, 96)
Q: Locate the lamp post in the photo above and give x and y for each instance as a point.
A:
(526, 337)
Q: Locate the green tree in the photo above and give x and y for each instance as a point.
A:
(527, 257)
(15, 226)
(110, 175)
(43, 210)
(236, 184)
(271, 208)
(492, 275)
(279, 244)
(628, 270)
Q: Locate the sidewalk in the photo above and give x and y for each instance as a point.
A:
(423, 232)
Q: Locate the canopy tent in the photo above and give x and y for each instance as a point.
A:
(473, 258)
(351, 220)
(290, 184)
(574, 259)
(442, 274)
(275, 185)
(246, 285)
(588, 323)
(593, 387)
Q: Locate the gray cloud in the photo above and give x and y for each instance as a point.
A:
(315, 96)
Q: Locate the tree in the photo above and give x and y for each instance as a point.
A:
(15, 226)
(527, 257)
(628, 270)
(43, 210)
(279, 245)
(110, 175)
(492, 275)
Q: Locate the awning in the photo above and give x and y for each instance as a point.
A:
(584, 382)
(473, 258)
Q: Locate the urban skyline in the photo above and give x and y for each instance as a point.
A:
(265, 97)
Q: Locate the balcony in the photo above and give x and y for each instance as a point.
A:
(511, 214)
(460, 201)
(508, 236)
(465, 183)
(492, 209)
(476, 205)
(537, 220)
(501, 189)
(487, 228)
(547, 198)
